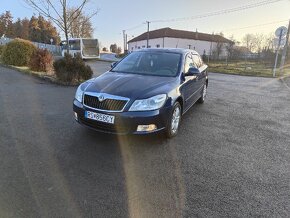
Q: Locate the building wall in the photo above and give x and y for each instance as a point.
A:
(200, 46)
(143, 44)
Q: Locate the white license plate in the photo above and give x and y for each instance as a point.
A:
(100, 117)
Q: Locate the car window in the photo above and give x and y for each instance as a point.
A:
(197, 61)
(200, 60)
(150, 63)
(188, 63)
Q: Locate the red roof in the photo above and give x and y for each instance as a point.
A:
(181, 34)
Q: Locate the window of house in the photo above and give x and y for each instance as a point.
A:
(138, 47)
(149, 46)
(143, 46)
(157, 46)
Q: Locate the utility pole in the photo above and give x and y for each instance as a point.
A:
(148, 28)
(284, 54)
(124, 38)
(210, 49)
(126, 44)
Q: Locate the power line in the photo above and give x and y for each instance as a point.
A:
(225, 11)
(210, 14)
(258, 25)
(135, 27)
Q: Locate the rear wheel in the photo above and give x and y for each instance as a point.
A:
(203, 95)
(174, 121)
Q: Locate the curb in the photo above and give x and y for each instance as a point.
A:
(46, 78)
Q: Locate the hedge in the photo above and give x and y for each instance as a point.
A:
(18, 52)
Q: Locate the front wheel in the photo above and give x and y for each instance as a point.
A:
(174, 121)
(203, 95)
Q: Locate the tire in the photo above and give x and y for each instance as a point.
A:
(203, 95)
(174, 121)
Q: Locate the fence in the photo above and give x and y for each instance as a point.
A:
(4, 41)
(54, 49)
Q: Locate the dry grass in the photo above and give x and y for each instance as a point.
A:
(247, 68)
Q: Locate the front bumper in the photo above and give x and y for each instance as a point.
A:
(125, 122)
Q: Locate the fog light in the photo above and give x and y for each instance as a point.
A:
(76, 116)
(146, 128)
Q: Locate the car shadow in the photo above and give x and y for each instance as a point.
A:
(140, 170)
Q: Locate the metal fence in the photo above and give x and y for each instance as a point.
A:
(54, 49)
(4, 41)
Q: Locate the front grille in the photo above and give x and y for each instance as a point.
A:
(105, 127)
(107, 104)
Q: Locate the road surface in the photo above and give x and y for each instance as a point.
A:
(230, 159)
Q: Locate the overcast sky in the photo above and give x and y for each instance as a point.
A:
(114, 16)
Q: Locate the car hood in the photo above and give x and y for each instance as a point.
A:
(130, 85)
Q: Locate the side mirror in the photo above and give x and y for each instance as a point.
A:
(192, 71)
(113, 64)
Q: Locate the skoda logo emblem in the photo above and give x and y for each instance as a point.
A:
(101, 98)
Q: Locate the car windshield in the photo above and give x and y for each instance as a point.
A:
(150, 63)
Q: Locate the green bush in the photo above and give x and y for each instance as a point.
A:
(41, 60)
(18, 52)
(72, 69)
(1, 49)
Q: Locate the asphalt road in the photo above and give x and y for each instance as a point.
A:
(287, 82)
(230, 159)
(99, 67)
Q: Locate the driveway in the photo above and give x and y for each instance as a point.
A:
(230, 159)
(99, 67)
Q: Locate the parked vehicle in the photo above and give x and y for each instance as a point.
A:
(87, 48)
(146, 92)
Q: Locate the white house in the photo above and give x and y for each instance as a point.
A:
(203, 43)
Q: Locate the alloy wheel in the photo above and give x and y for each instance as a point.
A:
(175, 120)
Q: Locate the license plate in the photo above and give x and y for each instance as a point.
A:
(100, 117)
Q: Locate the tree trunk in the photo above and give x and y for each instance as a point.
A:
(65, 26)
(67, 42)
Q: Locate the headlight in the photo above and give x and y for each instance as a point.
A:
(79, 94)
(82, 87)
(149, 104)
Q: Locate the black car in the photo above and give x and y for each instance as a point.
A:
(146, 92)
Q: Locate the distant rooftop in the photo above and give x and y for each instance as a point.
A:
(181, 34)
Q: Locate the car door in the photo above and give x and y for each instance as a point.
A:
(200, 78)
(190, 86)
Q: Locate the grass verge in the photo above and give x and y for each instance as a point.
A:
(247, 69)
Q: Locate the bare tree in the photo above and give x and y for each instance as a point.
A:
(249, 42)
(259, 41)
(219, 45)
(81, 27)
(230, 47)
(268, 41)
(57, 12)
